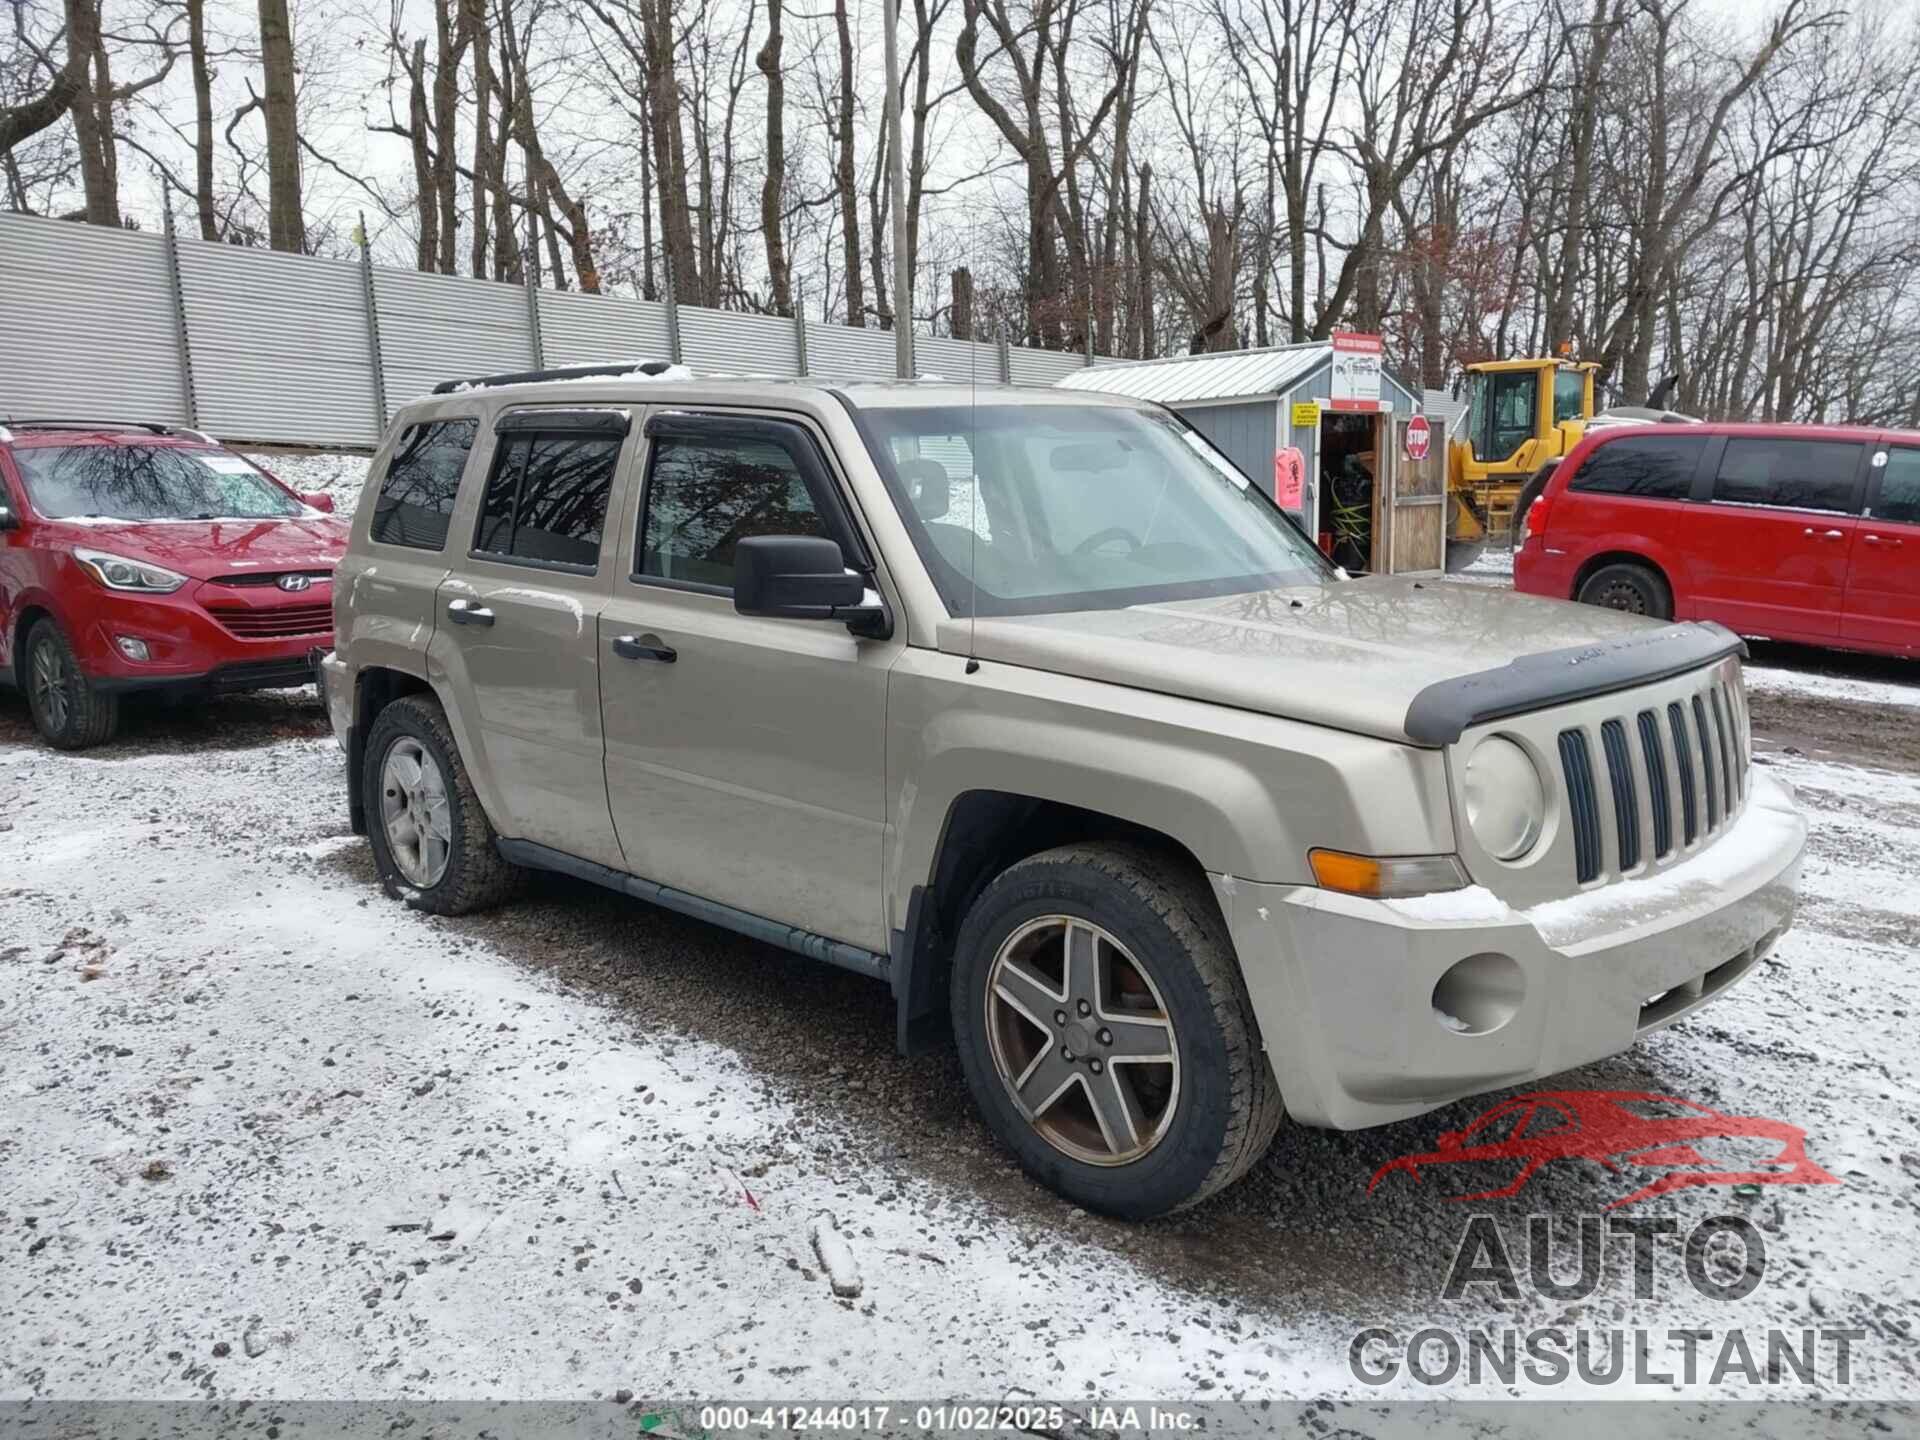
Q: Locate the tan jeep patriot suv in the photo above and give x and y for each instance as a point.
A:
(1030, 705)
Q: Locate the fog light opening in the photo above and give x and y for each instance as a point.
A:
(1479, 994)
(132, 648)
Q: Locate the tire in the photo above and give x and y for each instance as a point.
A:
(68, 710)
(1168, 954)
(1633, 588)
(470, 874)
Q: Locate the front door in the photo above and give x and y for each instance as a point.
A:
(1770, 553)
(1417, 501)
(1883, 582)
(745, 756)
(517, 631)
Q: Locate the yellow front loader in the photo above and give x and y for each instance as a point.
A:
(1522, 417)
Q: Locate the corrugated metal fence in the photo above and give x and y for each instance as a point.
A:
(292, 349)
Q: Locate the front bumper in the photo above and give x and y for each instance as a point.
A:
(188, 647)
(1348, 991)
(286, 673)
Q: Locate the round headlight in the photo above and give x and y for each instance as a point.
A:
(1506, 803)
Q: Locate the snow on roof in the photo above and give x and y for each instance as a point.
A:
(1223, 376)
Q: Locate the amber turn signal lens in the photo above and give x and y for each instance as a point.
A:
(1355, 874)
(1381, 879)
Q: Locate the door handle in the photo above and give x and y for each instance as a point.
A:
(644, 647)
(465, 612)
(1882, 539)
(1824, 534)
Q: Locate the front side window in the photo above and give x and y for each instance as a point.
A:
(1789, 474)
(1036, 509)
(421, 484)
(1506, 419)
(1899, 486)
(1651, 467)
(546, 499)
(1569, 394)
(706, 495)
(120, 481)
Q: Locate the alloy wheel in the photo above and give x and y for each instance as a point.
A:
(415, 812)
(50, 684)
(1082, 1040)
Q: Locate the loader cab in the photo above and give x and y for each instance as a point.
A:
(1522, 416)
(1513, 402)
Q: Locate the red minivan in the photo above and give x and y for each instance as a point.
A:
(150, 558)
(1790, 532)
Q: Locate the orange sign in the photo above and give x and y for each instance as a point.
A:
(1289, 478)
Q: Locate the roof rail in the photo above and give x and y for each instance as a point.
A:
(75, 422)
(564, 372)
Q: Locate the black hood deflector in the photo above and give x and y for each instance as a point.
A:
(1445, 710)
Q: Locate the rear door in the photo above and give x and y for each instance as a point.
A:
(1883, 582)
(517, 621)
(1770, 555)
(385, 586)
(1629, 496)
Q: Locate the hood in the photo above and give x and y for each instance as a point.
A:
(1353, 655)
(204, 549)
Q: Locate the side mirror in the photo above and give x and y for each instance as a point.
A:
(8, 520)
(802, 577)
(319, 500)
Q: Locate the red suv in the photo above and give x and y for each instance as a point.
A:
(147, 557)
(1789, 532)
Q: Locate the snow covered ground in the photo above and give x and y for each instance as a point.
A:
(265, 1133)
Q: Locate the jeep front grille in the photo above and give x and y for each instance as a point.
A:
(1700, 762)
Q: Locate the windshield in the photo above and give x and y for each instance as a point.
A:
(147, 482)
(1078, 508)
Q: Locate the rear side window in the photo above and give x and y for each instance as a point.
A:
(546, 500)
(1899, 487)
(705, 496)
(1653, 467)
(421, 484)
(1790, 474)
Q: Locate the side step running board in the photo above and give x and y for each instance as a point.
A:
(787, 937)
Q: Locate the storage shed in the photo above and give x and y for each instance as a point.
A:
(1359, 492)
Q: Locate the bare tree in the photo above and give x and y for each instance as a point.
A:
(772, 212)
(286, 220)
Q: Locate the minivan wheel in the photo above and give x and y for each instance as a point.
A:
(1105, 1032)
(432, 843)
(68, 710)
(1629, 587)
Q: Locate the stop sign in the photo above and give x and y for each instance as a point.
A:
(1419, 437)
